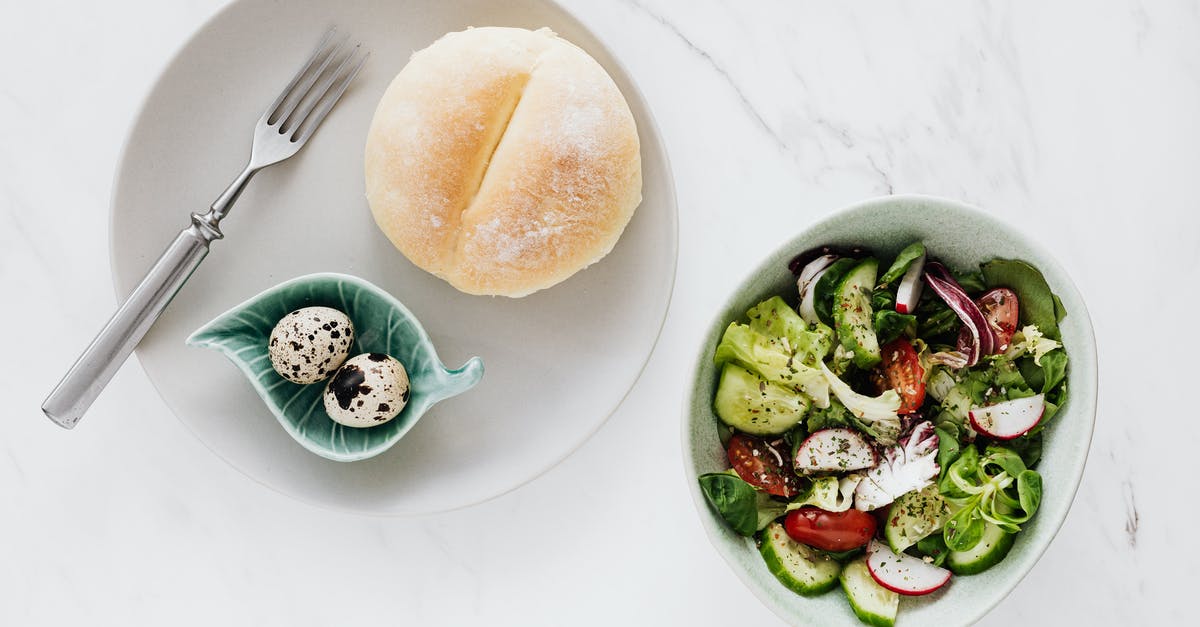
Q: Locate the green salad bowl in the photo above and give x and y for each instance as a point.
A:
(962, 237)
(382, 325)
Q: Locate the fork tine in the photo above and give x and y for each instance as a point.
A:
(326, 95)
(308, 65)
(297, 94)
(312, 122)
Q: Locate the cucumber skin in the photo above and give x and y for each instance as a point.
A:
(891, 531)
(1002, 544)
(863, 614)
(775, 565)
(865, 357)
(730, 407)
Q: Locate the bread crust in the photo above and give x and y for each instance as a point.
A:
(503, 160)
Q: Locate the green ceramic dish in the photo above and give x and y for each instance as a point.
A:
(961, 236)
(382, 325)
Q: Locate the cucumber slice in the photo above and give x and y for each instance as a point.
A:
(825, 289)
(872, 603)
(913, 516)
(754, 405)
(993, 547)
(853, 317)
(801, 568)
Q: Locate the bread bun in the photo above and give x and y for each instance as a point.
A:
(503, 160)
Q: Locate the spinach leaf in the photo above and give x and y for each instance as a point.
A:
(768, 509)
(934, 546)
(911, 253)
(890, 324)
(882, 298)
(825, 289)
(1046, 377)
(971, 282)
(1060, 311)
(1034, 375)
(734, 499)
(1054, 365)
(1038, 305)
(1055, 399)
(844, 556)
(948, 447)
(1029, 447)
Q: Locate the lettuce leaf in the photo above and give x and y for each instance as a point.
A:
(774, 318)
(878, 413)
(828, 493)
(771, 359)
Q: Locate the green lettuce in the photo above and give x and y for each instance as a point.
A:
(1030, 341)
(774, 318)
(828, 493)
(877, 413)
(778, 346)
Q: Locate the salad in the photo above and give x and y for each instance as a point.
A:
(884, 432)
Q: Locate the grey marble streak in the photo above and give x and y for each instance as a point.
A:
(1074, 120)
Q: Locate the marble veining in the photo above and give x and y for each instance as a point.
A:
(1075, 121)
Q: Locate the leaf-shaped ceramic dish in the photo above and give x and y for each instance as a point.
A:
(382, 325)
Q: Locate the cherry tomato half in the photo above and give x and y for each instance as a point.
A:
(902, 372)
(761, 465)
(1000, 308)
(830, 531)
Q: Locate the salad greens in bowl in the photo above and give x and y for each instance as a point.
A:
(890, 418)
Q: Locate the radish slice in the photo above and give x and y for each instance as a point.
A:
(979, 339)
(909, 291)
(807, 283)
(903, 573)
(834, 450)
(1009, 419)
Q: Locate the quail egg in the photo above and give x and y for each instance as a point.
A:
(368, 390)
(310, 344)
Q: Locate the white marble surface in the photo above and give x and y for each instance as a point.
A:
(1077, 120)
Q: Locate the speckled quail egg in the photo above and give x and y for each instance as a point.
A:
(368, 390)
(310, 344)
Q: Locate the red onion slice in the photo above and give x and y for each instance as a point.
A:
(981, 340)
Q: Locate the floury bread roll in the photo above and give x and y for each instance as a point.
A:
(503, 160)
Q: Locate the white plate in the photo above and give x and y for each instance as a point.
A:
(558, 363)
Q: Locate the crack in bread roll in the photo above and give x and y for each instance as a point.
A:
(503, 160)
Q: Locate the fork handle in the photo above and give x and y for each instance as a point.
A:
(104, 356)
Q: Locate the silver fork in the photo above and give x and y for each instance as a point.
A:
(282, 130)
